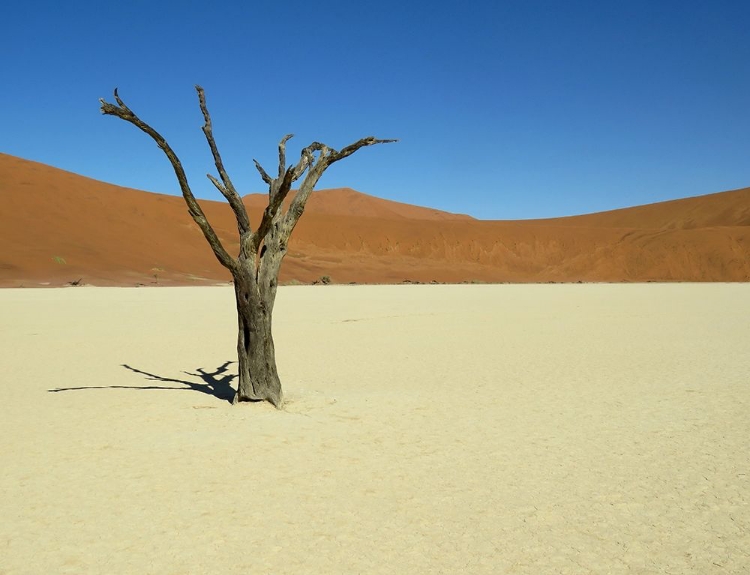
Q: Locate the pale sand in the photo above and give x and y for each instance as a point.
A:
(429, 429)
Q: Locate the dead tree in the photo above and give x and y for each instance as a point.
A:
(255, 270)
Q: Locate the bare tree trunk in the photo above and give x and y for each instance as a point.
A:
(258, 376)
(256, 268)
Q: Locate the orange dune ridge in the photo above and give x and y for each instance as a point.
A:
(58, 227)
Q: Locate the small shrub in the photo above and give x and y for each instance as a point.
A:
(325, 280)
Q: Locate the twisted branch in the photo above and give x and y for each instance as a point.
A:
(227, 189)
(314, 159)
(196, 212)
(326, 157)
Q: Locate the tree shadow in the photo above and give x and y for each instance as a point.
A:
(216, 383)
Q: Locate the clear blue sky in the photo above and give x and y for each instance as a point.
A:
(504, 109)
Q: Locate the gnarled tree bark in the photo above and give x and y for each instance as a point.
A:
(255, 270)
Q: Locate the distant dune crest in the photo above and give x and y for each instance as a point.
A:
(57, 227)
(348, 202)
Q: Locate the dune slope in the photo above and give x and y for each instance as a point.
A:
(57, 227)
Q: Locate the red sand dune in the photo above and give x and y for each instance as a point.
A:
(57, 227)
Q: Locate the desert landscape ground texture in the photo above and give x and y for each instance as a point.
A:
(57, 227)
(518, 429)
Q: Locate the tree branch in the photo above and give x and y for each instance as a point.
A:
(351, 148)
(227, 190)
(196, 212)
(326, 157)
(282, 153)
(263, 174)
(278, 192)
(279, 188)
(217, 184)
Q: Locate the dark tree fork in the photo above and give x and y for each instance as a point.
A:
(255, 270)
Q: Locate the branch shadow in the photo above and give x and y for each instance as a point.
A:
(216, 383)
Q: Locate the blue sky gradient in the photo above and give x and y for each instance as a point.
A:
(505, 110)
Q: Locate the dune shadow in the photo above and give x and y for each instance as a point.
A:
(216, 383)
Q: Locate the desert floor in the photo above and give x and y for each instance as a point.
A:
(428, 429)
